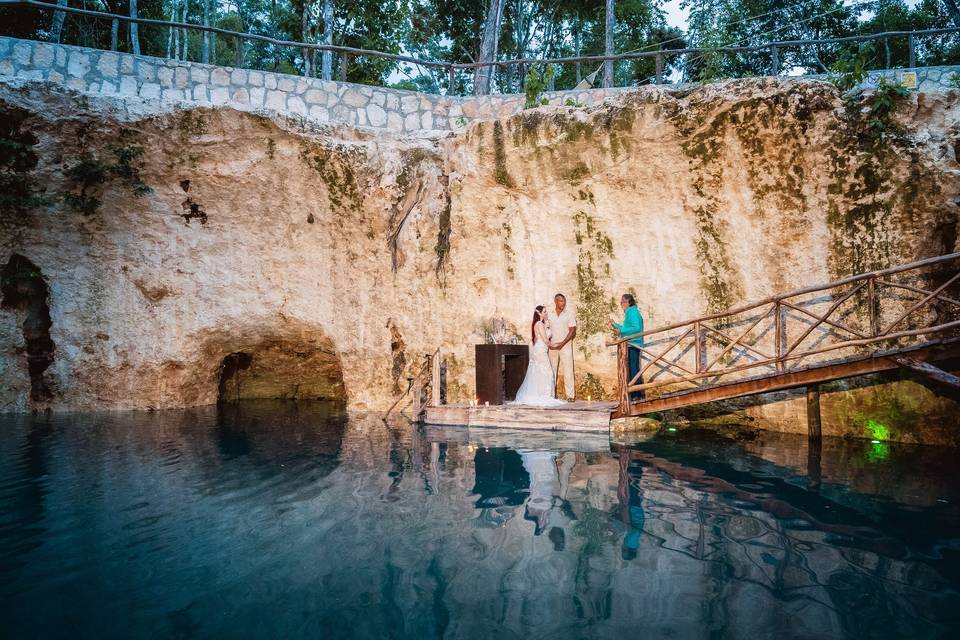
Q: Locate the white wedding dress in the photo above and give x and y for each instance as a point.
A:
(539, 384)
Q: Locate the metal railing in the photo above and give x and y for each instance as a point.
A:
(659, 56)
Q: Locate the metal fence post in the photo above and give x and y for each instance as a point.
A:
(912, 45)
(775, 61)
(238, 54)
(114, 31)
(451, 79)
(658, 61)
(344, 63)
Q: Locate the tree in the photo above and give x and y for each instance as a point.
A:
(58, 17)
(205, 52)
(134, 29)
(488, 47)
(327, 39)
(608, 45)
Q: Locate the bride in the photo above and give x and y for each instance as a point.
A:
(539, 384)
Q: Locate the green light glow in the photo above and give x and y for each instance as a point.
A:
(879, 451)
(877, 430)
(671, 428)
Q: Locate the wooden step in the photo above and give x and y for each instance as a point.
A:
(575, 416)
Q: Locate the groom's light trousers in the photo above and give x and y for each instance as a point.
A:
(562, 361)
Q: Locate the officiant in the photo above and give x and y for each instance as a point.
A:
(632, 324)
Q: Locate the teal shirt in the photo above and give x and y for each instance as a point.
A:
(632, 323)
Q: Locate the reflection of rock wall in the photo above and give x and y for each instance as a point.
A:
(895, 406)
(694, 199)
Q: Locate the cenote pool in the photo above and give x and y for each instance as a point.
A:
(269, 520)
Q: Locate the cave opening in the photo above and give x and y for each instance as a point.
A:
(228, 389)
(23, 289)
(282, 368)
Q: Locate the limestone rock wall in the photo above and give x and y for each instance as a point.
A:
(173, 237)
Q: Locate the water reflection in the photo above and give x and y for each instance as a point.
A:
(293, 520)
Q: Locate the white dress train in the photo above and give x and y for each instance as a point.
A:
(539, 385)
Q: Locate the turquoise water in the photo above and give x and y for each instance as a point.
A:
(278, 520)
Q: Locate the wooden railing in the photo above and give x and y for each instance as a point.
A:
(892, 311)
(659, 55)
(423, 388)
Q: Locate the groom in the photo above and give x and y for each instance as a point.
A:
(563, 329)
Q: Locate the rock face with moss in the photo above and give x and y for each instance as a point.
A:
(218, 233)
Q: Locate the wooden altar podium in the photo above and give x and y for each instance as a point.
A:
(500, 369)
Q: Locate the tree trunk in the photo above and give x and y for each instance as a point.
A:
(327, 39)
(57, 27)
(134, 29)
(576, 48)
(205, 51)
(608, 46)
(954, 10)
(183, 36)
(306, 52)
(173, 35)
(488, 48)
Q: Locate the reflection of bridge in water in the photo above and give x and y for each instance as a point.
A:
(646, 530)
(905, 316)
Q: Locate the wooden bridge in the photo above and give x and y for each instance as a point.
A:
(905, 316)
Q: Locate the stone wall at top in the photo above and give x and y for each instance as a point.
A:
(173, 82)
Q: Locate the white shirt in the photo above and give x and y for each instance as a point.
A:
(560, 324)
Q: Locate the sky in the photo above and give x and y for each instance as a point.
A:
(676, 17)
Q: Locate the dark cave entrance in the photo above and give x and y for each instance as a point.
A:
(24, 289)
(228, 388)
(282, 368)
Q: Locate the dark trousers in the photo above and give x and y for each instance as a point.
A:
(633, 366)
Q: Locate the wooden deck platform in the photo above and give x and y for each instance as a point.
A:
(575, 416)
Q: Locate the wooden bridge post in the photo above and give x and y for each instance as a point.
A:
(623, 377)
(778, 334)
(774, 61)
(814, 473)
(874, 307)
(658, 61)
(417, 407)
(813, 412)
(238, 53)
(114, 33)
(435, 379)
(698, 347)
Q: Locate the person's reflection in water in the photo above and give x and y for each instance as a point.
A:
(501, 484)
(630, 503)
(545, 508)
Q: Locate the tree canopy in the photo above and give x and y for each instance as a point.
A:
(451, 31)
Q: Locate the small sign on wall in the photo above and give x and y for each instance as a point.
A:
(908, 79)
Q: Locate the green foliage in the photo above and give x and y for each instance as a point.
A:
(850, 69)
(537, 82)
(882, 104)
(570, 102)
(595, 249)
(18, 188)
(954, 80)
(90, 173)
(591, 387)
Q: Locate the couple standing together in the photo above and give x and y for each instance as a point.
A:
(547, 357)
